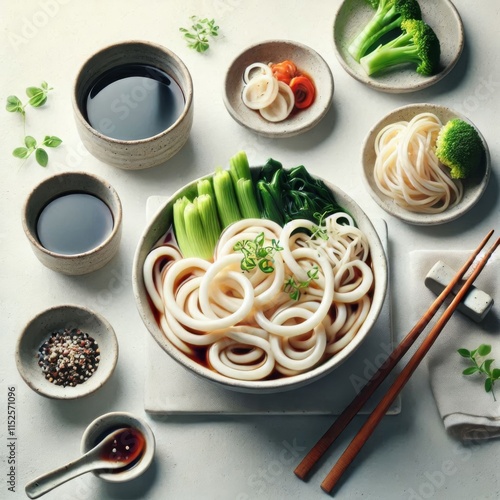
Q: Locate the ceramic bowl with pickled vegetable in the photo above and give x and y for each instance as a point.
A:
(260, 279)
(278, 88)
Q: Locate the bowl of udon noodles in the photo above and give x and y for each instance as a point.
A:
(403, 174)
(243, 330)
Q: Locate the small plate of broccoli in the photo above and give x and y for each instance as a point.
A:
(451, 142)
(398, 45)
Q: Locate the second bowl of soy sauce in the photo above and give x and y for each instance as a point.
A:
(73, 222)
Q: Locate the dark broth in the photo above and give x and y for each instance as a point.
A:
(134, 101)
(74, 223)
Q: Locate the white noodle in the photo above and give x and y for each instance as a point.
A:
(407, 169)
(223, 364)
(151, 277)
(246, 323)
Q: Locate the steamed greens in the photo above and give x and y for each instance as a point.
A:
(231, 195)
(286, 195)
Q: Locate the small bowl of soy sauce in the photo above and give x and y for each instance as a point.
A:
(133, 104)
(136, 436)
(73, 221)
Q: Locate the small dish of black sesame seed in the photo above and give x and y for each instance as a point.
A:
(67, 352)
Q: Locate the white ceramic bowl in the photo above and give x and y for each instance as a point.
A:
(39, 329)
(65, 183)
(442, 17)
(307, 60)
(159, 226)
(474, 187)
(104, 425)
(142, 153)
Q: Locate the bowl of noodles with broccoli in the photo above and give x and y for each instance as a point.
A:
(260, 279)
(425, 164)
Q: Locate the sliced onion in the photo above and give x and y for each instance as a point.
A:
(281, 107)
(264, 69)
(276, 111)
(288, 94)
(260, 91)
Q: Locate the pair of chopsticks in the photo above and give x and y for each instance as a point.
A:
(319, 449)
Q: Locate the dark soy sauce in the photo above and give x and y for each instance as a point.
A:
(127, 446)
(74, 223)
(134, 101)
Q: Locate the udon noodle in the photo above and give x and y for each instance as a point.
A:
(407, 169)
(245, 324)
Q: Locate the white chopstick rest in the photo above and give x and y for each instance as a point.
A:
(476, 303)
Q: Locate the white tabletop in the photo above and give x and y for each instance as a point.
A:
(409, 456)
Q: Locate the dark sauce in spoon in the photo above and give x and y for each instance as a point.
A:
(127, 446)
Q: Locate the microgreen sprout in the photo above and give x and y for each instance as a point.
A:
(37, 96)
(482, 366)
(199, 34)
(293, 288)
(31, 146)
(320, 231)
(256, 254)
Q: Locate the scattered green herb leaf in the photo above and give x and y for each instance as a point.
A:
(51, 141)
(199, 34)
(480, 365)
(31, 146)
(293, 288)
(256, 254)
(21, 152)
(42, 157)
(37, 96)
(14, 105)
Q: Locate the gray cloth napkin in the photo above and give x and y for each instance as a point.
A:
(467, 410)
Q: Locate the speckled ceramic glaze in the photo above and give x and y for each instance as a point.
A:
(106, 424)
(162, 221)
(442, 17)
(473, 187)
(307, 60)
(39, 329)
(143, 153)
(60, 184)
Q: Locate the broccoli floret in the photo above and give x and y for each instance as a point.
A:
(388, 16)
(417, 44)
(460, 148)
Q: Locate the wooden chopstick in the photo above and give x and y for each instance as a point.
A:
(319, 449)
(376, 416)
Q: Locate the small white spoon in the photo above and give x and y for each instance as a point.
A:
(116, 450)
